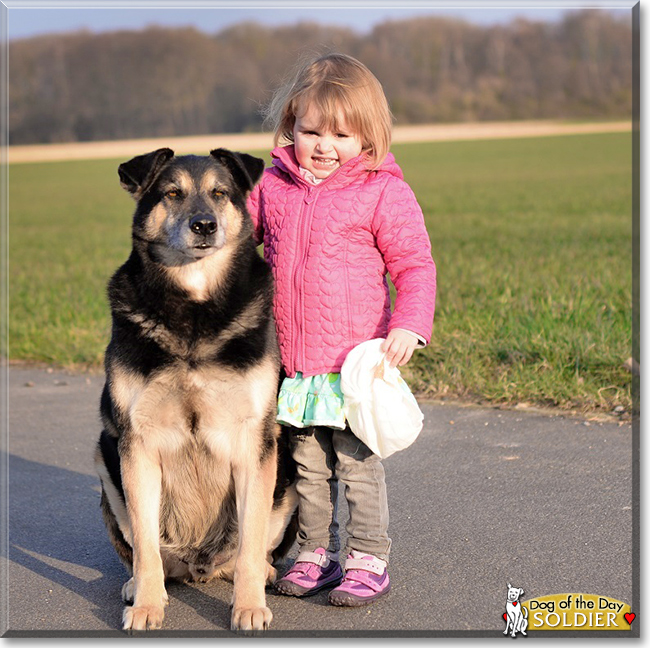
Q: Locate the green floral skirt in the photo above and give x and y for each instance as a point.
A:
(317, 400)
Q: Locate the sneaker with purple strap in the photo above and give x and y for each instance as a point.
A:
(366, 579)
(312, 572)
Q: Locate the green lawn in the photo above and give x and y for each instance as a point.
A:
(532, 239)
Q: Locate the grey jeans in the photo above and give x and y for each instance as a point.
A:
(325, 456)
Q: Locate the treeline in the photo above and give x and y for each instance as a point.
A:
(167, 82)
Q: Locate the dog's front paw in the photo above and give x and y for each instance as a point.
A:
(248, 619)
(143, 617)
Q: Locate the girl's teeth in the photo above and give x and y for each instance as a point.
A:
(324, 162)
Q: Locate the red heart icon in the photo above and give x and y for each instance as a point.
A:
(514, 603)
(505, 616)
(629, 617)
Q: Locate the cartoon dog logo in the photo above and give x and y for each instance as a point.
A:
(516, 617)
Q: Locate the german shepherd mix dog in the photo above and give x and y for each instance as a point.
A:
(192, 483)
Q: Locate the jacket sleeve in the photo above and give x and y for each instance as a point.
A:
(254, 204)
(403, 241)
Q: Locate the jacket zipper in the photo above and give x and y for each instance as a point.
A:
(309, 200)
(299, 273)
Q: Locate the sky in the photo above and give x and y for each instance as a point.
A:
(32, 17)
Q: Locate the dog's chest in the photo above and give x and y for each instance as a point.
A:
(193, 335)
(513, 607)
(214, 407)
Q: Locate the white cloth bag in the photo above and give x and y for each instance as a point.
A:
(378, 404)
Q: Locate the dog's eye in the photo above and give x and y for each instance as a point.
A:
(174, 193)
(218, 193)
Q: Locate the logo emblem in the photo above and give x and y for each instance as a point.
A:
(515, 616)
(575, 611)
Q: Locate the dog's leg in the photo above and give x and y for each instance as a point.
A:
(254, 487)
(142, 480)
(284, 525)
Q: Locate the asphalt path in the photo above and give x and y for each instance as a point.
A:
(484, 497)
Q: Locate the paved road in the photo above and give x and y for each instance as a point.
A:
(483, 498)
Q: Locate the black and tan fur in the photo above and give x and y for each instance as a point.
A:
(193, 486)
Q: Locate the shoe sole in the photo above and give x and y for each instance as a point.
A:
(349, 600)
(291, 589)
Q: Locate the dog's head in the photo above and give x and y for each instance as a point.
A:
(514, 593)
(189, 207)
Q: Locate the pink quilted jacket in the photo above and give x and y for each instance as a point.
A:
(330, 246)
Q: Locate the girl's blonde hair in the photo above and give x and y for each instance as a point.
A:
(333, 83)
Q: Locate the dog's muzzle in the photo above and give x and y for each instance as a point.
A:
(206, 234)
(203, 224)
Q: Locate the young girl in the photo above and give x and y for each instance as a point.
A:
(336, 215)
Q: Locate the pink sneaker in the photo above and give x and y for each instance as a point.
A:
(312, 572)
(366, 579)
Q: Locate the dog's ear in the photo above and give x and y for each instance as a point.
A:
(138, 174)
(509, 586)
(521, 592)
(246, 170)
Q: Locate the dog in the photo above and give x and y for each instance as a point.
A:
(516, 616)
(196, 481)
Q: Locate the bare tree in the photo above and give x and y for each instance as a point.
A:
(165, 82)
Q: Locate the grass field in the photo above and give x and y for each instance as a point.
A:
(532, 239)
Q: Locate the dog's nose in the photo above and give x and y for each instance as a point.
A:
(204, 224)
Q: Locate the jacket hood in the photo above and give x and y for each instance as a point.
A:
(284, 158)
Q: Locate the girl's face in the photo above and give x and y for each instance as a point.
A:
(321, 151)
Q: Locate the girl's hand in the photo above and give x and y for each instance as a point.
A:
(399, 346)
